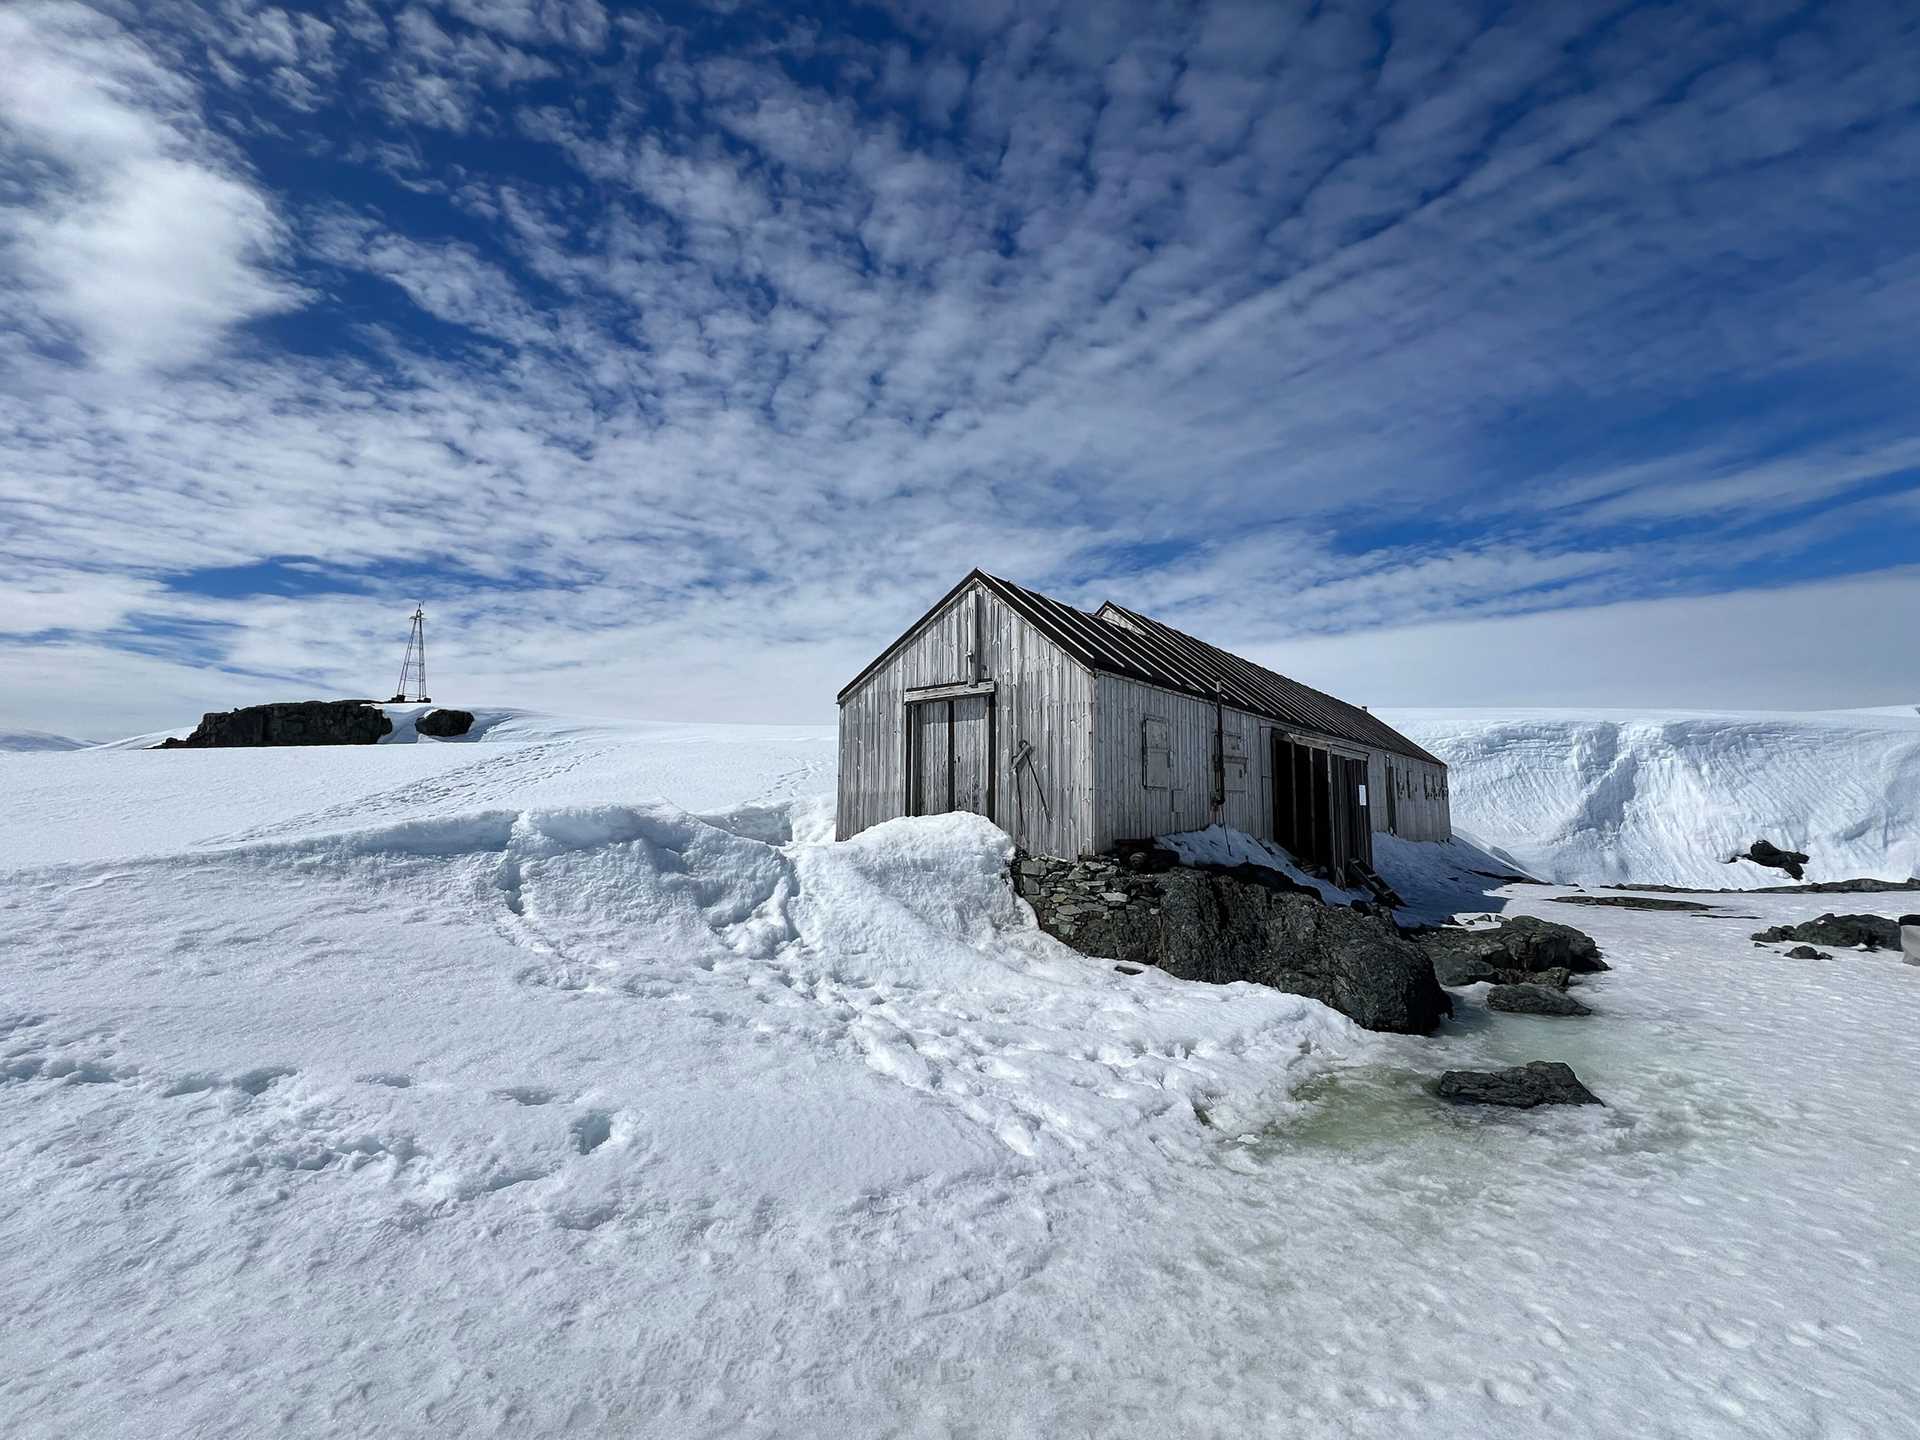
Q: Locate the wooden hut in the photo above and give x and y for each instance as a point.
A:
(1074, 731)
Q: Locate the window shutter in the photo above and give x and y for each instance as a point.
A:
(1156, 754)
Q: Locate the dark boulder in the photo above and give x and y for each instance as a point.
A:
(1244, 923)
(1459, 967)
(1222, 928)
(1807, 952)
(1773, 857)
(296, 722)
(1540, 1082)
(1534, 1000)
(444, 724)
(1871, 932)
(1521, 946)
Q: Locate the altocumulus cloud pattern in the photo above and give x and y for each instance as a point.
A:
(678, 355)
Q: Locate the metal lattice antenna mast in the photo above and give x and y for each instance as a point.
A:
(414, 663)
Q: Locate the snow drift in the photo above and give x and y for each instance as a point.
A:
(474, 1088)
(1601, 798)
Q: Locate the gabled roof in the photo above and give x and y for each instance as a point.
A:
(1118, 641)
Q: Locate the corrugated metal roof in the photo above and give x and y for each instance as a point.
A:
(1130, 644)
(1124, 642)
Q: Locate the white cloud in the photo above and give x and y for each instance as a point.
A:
(749, 367)
(138, 237)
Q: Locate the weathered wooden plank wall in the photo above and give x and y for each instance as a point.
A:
(1126, 807)
(1084, 785)
(1422, 806)
(1041, 698)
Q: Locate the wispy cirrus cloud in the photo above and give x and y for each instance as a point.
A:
(679, 355)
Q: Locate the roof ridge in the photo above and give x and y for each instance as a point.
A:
(1155, 653)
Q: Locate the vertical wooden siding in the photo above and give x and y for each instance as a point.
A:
(1422, 808)
(1042, 697)
(1127, 809)
(1086, 731)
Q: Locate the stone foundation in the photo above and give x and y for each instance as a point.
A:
(1245, 923)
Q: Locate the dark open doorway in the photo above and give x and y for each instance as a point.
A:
(1320, 810)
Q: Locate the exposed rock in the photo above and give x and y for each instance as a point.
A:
(1873, 932)
(1244, 923)
(1910, 938)
(1630, 902)
(1862, 886)
(297, 722)
(1459, 967)
(1518, 948)
(1807, 952)
(1539, 1082)
(444, 724)
(1774, 858)
(1147, 855)
(1534, 1000)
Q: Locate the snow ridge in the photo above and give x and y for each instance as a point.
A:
(1607, 798)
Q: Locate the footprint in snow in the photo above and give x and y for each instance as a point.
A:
(591, 1131)
(525, 1094)
(258, 1082)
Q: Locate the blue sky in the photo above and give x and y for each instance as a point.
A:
(678, 356)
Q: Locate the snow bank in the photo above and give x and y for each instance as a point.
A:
(23, 740)
(1220, 845)
(126, 800)
(1436, 881)
(1599, 798)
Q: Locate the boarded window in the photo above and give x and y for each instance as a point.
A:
(1156, 755)
(1234, 764)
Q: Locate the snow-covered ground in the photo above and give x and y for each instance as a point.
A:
(126, 799)
(1598, 797)
(474, 1088)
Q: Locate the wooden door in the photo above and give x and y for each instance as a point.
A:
(951, 755)
(972, 746)
(930, 733)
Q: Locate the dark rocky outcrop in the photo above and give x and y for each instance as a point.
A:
(444, 724)
(1516, 950)
(1807, 952)
(1540, 1082)
(1871, 932)
(296, 722)
(1534, 1000)
(1762, 852)
(1242, 923)
(1629, 902)
(1861, 886)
